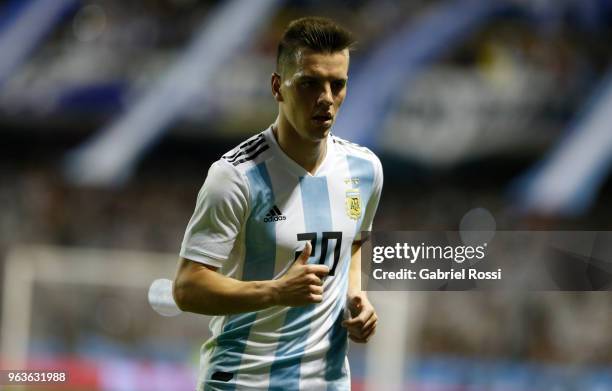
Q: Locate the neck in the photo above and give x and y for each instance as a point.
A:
(306, 152)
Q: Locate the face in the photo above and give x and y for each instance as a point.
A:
(311, 91)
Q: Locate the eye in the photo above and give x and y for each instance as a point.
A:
(338, 85)
(306, 83)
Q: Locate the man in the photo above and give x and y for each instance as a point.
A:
(282, 315)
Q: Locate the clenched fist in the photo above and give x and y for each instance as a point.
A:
(362, 324)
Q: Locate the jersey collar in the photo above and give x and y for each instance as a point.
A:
(290, 164)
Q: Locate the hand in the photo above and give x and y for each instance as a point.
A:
(303, 283)
(362, 324)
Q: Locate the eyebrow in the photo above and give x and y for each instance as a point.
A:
(315, 78)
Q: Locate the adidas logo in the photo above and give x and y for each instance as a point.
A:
(274, 215)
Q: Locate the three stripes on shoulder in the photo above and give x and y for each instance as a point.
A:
(247, 151)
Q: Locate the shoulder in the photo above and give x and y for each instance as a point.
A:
(353, 150)
(228, 175)
(248, 153)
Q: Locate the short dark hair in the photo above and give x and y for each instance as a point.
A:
(315, 33)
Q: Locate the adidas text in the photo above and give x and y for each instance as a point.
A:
(274, 218)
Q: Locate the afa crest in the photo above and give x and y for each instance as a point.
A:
(353, 204)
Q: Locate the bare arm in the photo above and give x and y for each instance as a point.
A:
(354, 285)
(362, 324)
(201, 289)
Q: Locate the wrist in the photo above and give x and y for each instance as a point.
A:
(355, 292)
(271, 292)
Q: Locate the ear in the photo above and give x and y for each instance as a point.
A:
(275, 83)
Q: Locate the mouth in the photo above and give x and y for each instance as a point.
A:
(323, 119)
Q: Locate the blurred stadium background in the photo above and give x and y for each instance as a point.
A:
(111, 112)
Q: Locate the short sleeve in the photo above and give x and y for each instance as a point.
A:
(219, 214)
(372, 206)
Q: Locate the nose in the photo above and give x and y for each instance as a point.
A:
(326, 97)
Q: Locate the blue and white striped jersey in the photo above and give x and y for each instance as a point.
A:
(253, 213)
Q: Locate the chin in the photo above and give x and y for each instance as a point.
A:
(321, 130)
(314, 132)
(320, 133)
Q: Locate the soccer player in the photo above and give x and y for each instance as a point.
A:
(273, 247)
